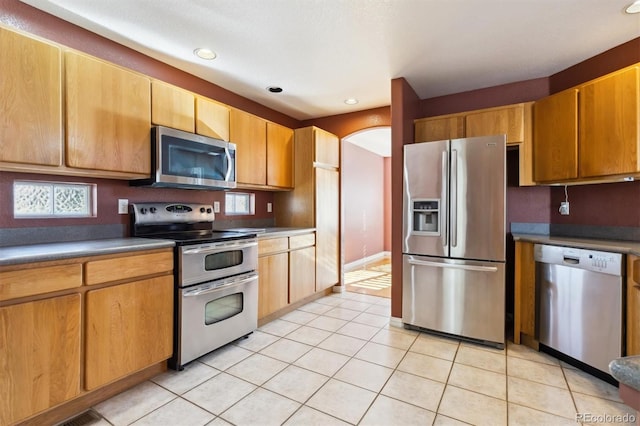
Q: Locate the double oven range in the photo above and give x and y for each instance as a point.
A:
(216, 283)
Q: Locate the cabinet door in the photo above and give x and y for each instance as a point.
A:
(39, 355)
(172, 106)
(438, 129)
(524, 292)
(633, 305)
(31, 101)
(249, 133)
(212, 119)
(273, 272)
(327, 227)
(508, 120)
(302, 273)
(609, 120)
(327, 148)
(108, 117)
(279, 156)
(555, 137)
(129, 327)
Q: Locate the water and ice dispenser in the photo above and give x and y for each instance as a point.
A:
(426, 213)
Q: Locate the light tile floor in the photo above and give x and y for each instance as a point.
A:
(337, 361)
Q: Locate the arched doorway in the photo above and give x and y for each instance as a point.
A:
(366, 211)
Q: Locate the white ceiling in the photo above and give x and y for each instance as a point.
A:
(324, 51)
(376, 140)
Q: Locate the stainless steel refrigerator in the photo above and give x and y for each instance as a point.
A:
(454, 237)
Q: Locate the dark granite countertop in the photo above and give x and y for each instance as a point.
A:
(616, 246)
(627, 371)
(54, 251)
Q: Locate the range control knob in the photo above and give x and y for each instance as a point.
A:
(152, 210)
(143, 210)
(202, 209)
(209, 210)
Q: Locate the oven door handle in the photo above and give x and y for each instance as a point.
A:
(214, 247)
(194, 293)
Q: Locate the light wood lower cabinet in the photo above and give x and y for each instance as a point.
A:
(302, 273)
(39, 356)
(633, 305)
(524, 294)
(129, 327)
(273, 295)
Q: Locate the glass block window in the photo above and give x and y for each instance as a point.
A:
(35, 199)
(236, 203)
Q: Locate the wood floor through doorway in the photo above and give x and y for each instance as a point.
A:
(373, 279)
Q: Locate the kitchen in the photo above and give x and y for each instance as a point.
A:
(608, 205)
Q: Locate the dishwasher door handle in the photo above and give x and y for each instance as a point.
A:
(571, 260)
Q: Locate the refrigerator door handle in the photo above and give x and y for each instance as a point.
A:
(454, 266)
(443, 202)
(454, 198)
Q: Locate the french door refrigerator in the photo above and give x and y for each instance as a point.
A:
(454, 238)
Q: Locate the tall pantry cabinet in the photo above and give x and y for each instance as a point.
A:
(315, 201)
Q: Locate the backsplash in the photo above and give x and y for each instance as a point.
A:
(108, 223)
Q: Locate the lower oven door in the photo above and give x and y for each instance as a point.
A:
(215, 313)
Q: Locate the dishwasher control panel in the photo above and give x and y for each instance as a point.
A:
(590, 260)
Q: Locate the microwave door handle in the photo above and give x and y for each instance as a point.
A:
(229, 165)
(195, 293)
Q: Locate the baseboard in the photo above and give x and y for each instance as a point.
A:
(396, 322)
(357, 264)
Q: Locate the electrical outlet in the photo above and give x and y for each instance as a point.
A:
(216, 206)
(269, 207)
(123, 206)
(564, 208)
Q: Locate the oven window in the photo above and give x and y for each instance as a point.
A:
(227, 259)
(223, 308)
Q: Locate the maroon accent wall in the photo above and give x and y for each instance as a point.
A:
(405, 107)
(343, 125)
(29, 19)
(611, 60)
(363, 202)
(109, 191)
(606, 204)
(512, 93)
(387, 204)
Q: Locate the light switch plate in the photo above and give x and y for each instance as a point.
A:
(269, 207)
(123, 206)
(216, 206)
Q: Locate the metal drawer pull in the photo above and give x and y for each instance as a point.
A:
(453, 266)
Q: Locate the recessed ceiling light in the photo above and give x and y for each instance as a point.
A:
(274, 89)
(204, 53)
(351, 101)
(633, 7)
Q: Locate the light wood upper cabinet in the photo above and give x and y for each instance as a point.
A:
(497, 121)
(633, 305)
(108, 117)
(555, 139)
(129, 327)
(30, 100)
(439, 128)
(327, 148)
(212, 118)
(249, 133)
(40, 356)
(279, 156)
(172, 106)
(609, 124)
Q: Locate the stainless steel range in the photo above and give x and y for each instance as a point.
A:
(216, 283)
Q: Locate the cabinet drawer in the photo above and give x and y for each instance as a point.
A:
(120, 268)
(298, 241)
(29, 282)
(272, 245)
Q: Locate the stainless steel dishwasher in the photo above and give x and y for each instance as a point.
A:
(580, 294)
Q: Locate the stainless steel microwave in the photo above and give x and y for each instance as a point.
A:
(186, 160)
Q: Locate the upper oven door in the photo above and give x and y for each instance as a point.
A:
(187, 160)
(212, 261)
